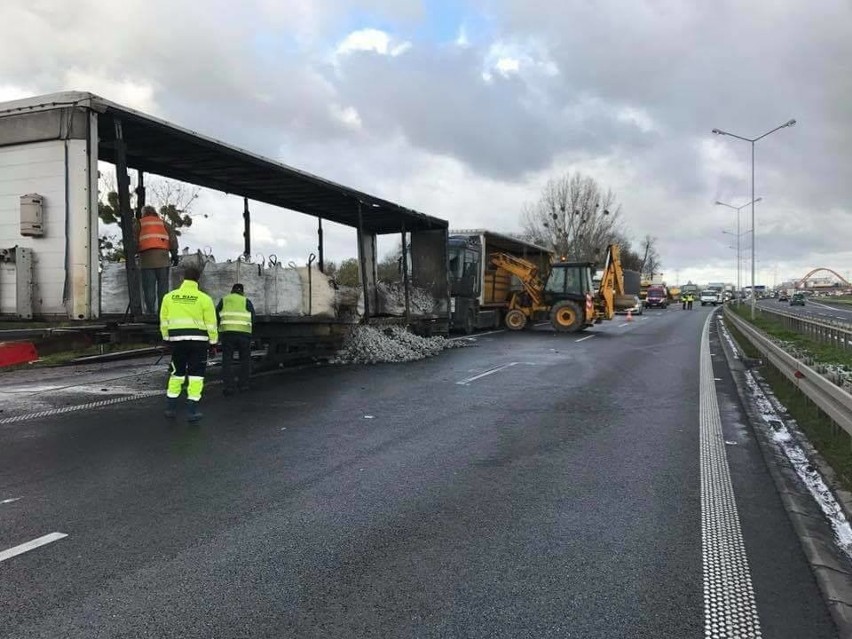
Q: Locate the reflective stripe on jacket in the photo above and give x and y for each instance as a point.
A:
(153, 234)
(187, 313)
(235, 316)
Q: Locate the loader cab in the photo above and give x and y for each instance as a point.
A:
(465, 259)
(568, 280)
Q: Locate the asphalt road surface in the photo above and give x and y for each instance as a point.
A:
(818, 309)
(535, 485)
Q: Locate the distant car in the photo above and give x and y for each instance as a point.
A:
(783, 297)
(656, 298)
(798, 299)
(636, 309)
(708, 297)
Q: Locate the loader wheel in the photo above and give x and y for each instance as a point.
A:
(566, 317)
(515, 320)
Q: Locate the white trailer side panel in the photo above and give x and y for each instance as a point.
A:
(43, 167)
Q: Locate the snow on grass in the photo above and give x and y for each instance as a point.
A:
(769, 407)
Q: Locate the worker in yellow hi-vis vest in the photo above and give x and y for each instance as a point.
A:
(236, 317)
(188, 323)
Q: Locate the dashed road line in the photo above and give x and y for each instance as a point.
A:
(31, 545)
(583, 339)
(729, 605)
(490, 371)
(10, 501)
(475, 335)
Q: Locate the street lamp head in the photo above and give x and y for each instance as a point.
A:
(760, 199)
(791, 123)
(718, 132)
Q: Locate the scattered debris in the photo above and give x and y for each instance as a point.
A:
(369, 416)
(371, 345)
(729, 443)
(782, 437)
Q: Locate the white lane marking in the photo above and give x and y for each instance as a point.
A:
(623, 325)
(729, 605)
(491, 371)
(475, 335)
(31, 545)
(73, 409)
(542, 323)
(583, 339)
(10, 501)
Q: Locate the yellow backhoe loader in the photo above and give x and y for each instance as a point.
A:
(568, 296)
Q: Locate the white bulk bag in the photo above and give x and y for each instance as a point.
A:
(283, 290)
(318, 294)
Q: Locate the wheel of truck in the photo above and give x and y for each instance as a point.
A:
(566, 317)
(515, 320)
(467, 327)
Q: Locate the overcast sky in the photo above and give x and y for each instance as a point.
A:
(463, 109)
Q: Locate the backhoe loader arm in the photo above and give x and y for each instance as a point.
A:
(525, 271)
(612, 281)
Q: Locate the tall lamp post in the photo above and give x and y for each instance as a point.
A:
(739, 235)
(753, 233)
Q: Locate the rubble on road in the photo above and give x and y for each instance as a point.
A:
(372, 345)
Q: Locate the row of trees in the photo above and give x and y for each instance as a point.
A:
(576, 218)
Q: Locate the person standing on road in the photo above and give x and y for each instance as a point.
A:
(683, 298)
(689, 300)
(188, 323)
(236, 317)
(155, 241)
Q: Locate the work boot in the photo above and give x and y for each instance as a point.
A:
(193, 415)
(171, 407)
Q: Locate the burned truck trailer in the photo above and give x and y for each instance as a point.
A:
(50, 147)
(480, 291)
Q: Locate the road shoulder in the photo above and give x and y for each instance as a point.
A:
(829, 564)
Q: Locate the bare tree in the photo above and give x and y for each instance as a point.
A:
(651, 263)
(574, 217)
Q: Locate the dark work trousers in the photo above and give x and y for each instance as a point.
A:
(155, 284)
(240, 343)
(189, 360)
(689, 305)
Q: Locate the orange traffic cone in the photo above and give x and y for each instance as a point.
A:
(629, 316)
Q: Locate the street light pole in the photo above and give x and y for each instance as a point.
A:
(753, 230)
(739, 235)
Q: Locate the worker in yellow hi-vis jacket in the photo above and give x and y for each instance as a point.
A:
(188, 323)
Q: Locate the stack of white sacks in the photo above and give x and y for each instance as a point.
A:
(273, 288)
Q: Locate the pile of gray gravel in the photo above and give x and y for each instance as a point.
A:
(371, 345)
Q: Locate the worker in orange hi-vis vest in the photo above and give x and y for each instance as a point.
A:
(156, 242)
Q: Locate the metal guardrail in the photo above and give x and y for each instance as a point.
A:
(830, 398)
(833, 333)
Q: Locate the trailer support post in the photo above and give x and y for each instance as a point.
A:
(320, 246)
(363, 262)
(128, 231)
(246, 229)
(405, 280)
(140, 193)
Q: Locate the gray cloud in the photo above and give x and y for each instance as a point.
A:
(627, 92)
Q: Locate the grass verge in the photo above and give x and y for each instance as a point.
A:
(831, 441)
(63, 357)
(823, 353)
